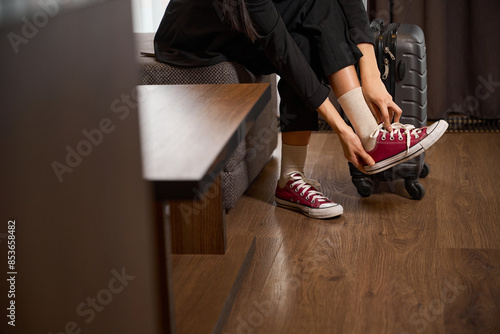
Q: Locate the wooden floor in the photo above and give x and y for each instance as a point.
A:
(390, 264)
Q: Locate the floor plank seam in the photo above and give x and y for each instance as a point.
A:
(226, 310)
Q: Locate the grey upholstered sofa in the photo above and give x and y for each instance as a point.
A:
(252, 153)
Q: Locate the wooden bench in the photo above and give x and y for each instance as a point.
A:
(187, 133)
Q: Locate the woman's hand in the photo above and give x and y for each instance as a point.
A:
(351, 144)
(353, 149)
(380, 102)
(376, 96)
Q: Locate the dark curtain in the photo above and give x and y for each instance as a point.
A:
(463, 52)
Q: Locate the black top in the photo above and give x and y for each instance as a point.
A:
(193, 33)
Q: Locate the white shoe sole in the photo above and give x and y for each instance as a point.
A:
(435, 131)
(318, 213)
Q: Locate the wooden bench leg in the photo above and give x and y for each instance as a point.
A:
(199, 226)
(164, 268)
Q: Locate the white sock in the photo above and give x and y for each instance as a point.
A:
(354, 105)
(293, 159)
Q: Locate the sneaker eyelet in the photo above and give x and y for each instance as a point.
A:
(296, 190)
(307, 197)
(391, 138)
(383, 138)
(313, 201)
(302, 194)
(290, 186)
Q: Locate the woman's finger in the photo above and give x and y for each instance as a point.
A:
(385, 117)
(367, 159)
(396, 110)
(355, 161)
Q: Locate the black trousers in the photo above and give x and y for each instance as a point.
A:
(320, 30)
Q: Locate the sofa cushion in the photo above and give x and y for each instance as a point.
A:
(234, 184)
(153, 72)
(237, 157)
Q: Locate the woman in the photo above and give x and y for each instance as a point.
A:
(306, 42)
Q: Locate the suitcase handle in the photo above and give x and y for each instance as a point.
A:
(377, 25)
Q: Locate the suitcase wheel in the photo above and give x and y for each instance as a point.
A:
(426, 169)
(415, 189)
(364, 186)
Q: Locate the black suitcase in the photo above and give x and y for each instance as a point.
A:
(401, 56)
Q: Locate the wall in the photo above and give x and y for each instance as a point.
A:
(147, 14)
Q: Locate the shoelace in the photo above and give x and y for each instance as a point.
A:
(301, 182)
(398, 129)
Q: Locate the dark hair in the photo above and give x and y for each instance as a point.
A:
(235, 12)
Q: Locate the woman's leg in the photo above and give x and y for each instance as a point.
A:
(296, 122)
(344, 80)
(324, 39)
(296, 138)
(293, 153)
(345, 85)
(294, 190)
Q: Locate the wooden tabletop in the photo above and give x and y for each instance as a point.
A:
(187, 132)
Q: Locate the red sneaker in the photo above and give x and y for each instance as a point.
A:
(404, 143)
(299, 194)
